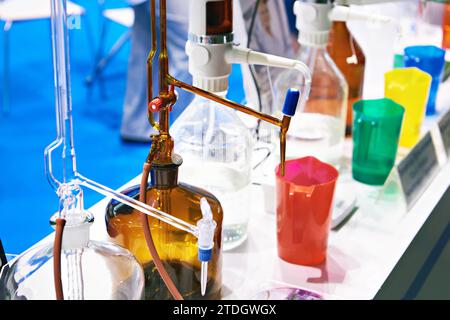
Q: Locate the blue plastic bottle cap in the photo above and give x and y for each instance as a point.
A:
(290, 102)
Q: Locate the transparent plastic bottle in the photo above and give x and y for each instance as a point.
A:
(217, 153)
(319, 130)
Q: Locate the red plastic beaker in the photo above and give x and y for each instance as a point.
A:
(304, 206)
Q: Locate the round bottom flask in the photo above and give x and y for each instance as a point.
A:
(90, 270)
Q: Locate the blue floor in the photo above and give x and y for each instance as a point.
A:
(26, 199)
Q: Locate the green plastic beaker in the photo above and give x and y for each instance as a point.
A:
(410, 88)
(376, 130)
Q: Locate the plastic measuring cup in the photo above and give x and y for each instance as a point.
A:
(376, 130)
(304, 203)
(409, 87)
(430, 59)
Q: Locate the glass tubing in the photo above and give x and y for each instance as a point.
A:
(64, 128)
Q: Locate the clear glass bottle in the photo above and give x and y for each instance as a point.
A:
(319, 130)
(217, 152)
(176, 248)
(90, 270)
(350, 59)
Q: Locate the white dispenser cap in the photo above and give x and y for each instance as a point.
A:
(313, 22)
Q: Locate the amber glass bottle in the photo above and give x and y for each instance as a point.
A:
(446, 27)
(350, 59)
(177, 248)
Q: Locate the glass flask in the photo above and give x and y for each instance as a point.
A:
(319, 130)
(176, 248)
(349, 57)
(217, 150)
(90, 270)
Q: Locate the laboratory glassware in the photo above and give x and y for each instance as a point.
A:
(80, 268)
(430, 59)
(409, 87)
(177, 249)
(304, 203)
(287, 293)
(446, 26)
(376, 131)
(176, 267)
(216, 145)
(90, 270)
(217, 152)
(319, 130)
(350, 59)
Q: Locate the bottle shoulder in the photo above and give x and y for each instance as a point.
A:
(201, 112)
(212, 125)
(324, 71)
(181, 201)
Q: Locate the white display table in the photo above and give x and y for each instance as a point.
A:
(361, 253)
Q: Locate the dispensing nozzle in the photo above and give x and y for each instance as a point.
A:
(206, 228)
(289, 108)
(290, 103)
(314, 18)
(344, 13)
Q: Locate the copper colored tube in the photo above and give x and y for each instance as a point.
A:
(225, 102)
(149, 239)
(283, 124)
(60, 223)
(150, 58)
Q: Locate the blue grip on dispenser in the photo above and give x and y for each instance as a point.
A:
(204, 255)
(290, 102)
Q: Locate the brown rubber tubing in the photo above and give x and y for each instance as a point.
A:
(149, 239)
(60, 223)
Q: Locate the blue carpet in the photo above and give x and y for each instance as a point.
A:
(26, 199)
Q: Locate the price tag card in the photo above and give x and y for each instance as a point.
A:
(444, 128)
(417, 169)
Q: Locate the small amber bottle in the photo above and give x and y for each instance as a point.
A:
(177, 248)
(350, 59)
(446, 27)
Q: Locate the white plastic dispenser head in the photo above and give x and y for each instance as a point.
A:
(313, 22)
(315, 17)
(210, 37)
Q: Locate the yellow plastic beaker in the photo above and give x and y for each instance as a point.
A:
(410, 88)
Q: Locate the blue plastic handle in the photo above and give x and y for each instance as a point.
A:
(290, 102)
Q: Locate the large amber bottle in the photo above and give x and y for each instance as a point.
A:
(349, 57)
(177, 248)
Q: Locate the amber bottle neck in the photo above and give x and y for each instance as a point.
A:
(164, 178)
(165, 175)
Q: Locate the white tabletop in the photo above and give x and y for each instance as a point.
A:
(361, 254)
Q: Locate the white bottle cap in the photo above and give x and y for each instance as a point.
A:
(213, 85)
(313, 23)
